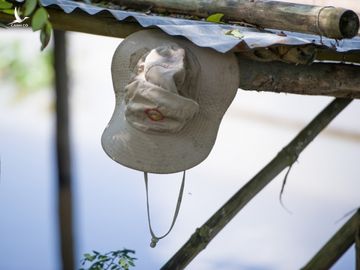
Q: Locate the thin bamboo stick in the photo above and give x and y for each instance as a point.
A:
(336, 246)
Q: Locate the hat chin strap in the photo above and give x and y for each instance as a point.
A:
(154, 238)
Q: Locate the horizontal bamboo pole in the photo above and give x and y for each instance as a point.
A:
(331, 55)
(338, 80)
(336, 246)
(79, 21)
(286, 157)
(106, 25)
(327, 21)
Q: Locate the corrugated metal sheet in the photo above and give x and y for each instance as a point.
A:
(205, 34)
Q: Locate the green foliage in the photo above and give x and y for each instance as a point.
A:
(39, 20)
(45, 35)
(114, 260)
(6, 7)
(27, 72)
(215, 18)
(30, 6)
(8, 11)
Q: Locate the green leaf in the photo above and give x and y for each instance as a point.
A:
(235, 33)
(30, 6)
(103, 257)
(45, 36)
(39, 19)
(3, 25)
(215, 18)
(122, 261)
(5, 5)
(89, 257)
(8, 11)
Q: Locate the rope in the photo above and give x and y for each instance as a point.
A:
(154, 238)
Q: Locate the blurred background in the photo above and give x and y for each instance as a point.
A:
(109, 199)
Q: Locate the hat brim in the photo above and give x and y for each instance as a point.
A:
(152, 152)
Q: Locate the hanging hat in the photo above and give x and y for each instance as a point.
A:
(170, 98)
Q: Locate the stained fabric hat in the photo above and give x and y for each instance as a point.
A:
(170, 98)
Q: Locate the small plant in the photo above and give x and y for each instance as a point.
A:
(113, 260)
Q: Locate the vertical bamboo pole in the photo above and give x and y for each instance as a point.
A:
(63, 150)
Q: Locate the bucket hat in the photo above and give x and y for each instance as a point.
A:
(170, 98)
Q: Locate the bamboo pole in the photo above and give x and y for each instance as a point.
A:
(331, 79)
(286, 157)
(332, 55)
(327, 21)
(79, 21)
(106, 25)
(336, 246)
(338, 80)
(63, 151)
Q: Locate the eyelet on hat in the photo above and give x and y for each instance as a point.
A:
(154, 114)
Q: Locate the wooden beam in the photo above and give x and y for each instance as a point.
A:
(332, 55)
(336, 246)
(327, 21)
(101, 24)
(79, 21)
(104, 24)
(338, 80)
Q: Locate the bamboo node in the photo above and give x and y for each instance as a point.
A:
(317, 24)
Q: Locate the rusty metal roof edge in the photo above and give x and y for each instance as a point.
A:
(205, 34)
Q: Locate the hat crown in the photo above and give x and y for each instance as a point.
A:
(152, 100)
